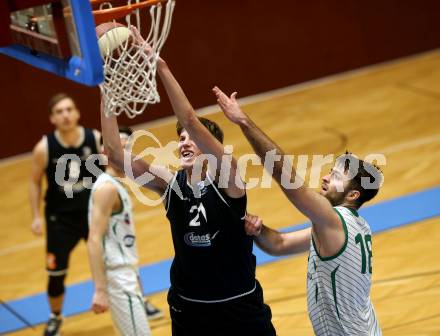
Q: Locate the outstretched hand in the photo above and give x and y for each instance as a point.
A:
(140, 41)
(229, 106)
(253, 225)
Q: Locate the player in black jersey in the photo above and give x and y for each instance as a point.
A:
(213, 286)
(66, 218)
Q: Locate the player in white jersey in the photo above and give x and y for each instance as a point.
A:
(340, 244)
(338, 287)
(113, 253)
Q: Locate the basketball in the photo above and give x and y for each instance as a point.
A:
(111, 35)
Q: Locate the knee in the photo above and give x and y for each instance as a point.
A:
(55, 286)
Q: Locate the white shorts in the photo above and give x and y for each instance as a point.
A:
(126, 302)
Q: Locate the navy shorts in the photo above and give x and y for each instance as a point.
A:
(63, 231)
(248, 315)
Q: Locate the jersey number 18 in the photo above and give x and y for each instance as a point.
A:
(365, 245)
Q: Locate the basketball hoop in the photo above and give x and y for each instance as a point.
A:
(129, 60)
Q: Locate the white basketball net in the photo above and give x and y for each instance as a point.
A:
(130, 70)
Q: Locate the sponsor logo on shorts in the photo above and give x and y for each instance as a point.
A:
(129, 240)
(193, 239)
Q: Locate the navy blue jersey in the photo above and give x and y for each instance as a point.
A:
(213, 254)
(75, 170)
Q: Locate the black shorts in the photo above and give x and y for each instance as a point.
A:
(63, 231)
(248, 315)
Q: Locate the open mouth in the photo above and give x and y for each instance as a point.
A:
(186, 154)
(323, 187)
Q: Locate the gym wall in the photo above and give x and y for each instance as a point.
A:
(246, 45)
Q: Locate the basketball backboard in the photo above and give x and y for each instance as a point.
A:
(54, 35)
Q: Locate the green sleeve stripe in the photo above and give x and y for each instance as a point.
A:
(333, 276)
(344, 225)
(316, 293)
(353, 211)
(121, 208)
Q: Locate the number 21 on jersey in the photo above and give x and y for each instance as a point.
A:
(199, 211)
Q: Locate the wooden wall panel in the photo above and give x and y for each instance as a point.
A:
(247, 45)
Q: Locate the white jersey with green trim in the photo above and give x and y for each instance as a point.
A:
(119, 242)
(338, 287)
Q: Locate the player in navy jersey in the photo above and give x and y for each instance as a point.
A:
(213, 286)
(67, 195)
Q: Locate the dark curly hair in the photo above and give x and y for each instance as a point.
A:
(366, 171)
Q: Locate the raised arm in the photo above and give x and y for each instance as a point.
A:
(156, 178)
(39, 158)
(326, 223)
(274, 242)
(105, 201)
(187, 117)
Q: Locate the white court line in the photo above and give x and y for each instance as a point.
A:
(21, 247)
(410, 144)
(268, 94)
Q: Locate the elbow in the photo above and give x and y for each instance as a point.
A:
(90, 245)
(93, 241)
(115, 158)
(272, 249)
(277, 251)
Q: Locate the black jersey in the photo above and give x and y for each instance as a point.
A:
(74, 170)
(213, 254)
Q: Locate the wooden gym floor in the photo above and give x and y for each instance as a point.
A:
(391, 109)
